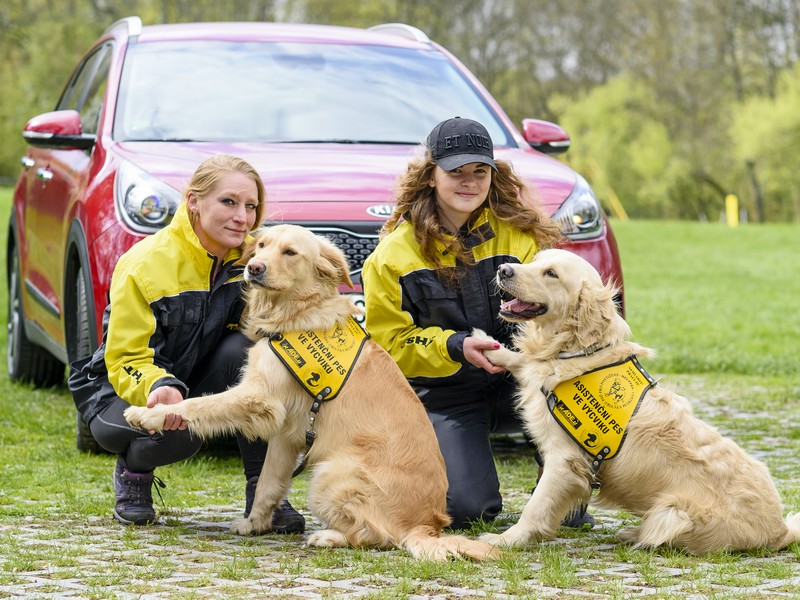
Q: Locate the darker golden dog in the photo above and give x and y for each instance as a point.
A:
(377, 476)
(693, 488)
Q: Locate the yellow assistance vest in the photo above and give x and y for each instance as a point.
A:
(595, 408)
(321, 361)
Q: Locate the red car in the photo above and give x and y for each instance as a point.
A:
(328, 115)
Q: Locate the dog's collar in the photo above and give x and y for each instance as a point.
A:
(583, 352)
(262, 333)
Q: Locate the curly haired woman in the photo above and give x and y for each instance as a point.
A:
(460, 214)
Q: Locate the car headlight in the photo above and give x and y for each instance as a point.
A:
(580, 217)
(145, 203)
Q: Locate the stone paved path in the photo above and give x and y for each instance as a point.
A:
(192, 555)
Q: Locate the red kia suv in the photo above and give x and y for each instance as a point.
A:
(328, 115)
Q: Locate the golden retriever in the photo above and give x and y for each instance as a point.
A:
(694, 489)
(377, 477)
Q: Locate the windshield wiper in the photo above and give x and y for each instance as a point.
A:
(160, 140)
(349, 141)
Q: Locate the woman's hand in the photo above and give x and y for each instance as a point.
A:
(473, 352)
(168, 395)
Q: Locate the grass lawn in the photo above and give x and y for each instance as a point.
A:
(718, 304)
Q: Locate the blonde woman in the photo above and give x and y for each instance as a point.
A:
(170, 331)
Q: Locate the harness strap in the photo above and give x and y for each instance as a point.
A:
(597, 460)
(311, 433)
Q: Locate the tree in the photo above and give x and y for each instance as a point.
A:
(766, 132)
(671, 76)
(620, 145)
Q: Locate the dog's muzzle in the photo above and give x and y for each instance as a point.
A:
(519, 310)
(255, 273)
(516, 309)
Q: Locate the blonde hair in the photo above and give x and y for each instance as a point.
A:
(211, 171)
(510, 199)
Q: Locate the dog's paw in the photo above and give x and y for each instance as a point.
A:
(243, 527)
(495, 539)
(500, 356)
(327, 538)
(144, 418)
(629, 535)
(480, 334)
(513, 536)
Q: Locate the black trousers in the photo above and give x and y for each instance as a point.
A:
(463, 432)
(143, 452)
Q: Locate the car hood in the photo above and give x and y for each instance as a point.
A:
(353, 176)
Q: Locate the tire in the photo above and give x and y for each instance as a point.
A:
(84, 346)
(27, 362)
(84, 440)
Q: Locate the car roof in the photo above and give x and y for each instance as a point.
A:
(396, 35)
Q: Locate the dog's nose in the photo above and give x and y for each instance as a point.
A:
(505, 272)
(256, 268)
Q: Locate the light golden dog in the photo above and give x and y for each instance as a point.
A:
(693, 488)
(377, 476)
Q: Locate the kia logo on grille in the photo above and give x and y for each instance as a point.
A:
(383, 211)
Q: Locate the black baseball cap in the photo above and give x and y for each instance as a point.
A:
(457, 142)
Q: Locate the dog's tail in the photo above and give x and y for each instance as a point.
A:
(793, 527)
(425, 542)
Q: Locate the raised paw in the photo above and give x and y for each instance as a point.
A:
(480, 334)
(327, 538)
(144, 418)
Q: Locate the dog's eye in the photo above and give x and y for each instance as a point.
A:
(260, 244)
(289, 252)
(551, 273)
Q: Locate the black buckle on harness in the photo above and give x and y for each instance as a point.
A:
(311, 434)
(596, 463)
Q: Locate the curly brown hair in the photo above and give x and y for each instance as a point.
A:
(510, 199)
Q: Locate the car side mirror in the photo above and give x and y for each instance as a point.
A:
(60, 129)
(545, 136)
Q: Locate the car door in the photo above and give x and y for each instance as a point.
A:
(55, 180)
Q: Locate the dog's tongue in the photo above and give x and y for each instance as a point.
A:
(517, 306)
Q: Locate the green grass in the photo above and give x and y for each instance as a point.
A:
(714, 299)
(717, 303)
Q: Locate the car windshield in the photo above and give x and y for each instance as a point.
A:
(291, 93)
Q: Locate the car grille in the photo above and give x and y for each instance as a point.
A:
(357, 246)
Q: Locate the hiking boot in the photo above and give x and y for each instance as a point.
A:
(285, 519)
(134, 504)
(578, 518)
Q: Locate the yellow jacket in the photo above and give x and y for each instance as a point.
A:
(165, 315)
(422, 323)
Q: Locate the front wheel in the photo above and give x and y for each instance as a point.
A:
(26, 361)
(84, 346)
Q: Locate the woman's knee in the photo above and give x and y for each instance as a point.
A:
(148, 452)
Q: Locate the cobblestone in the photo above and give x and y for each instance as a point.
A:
(192, 555)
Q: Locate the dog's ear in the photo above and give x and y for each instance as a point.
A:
(593, 314)
(248, 251)
(332, 264)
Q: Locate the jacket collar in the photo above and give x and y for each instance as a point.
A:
(478, 232)
(182, 225)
